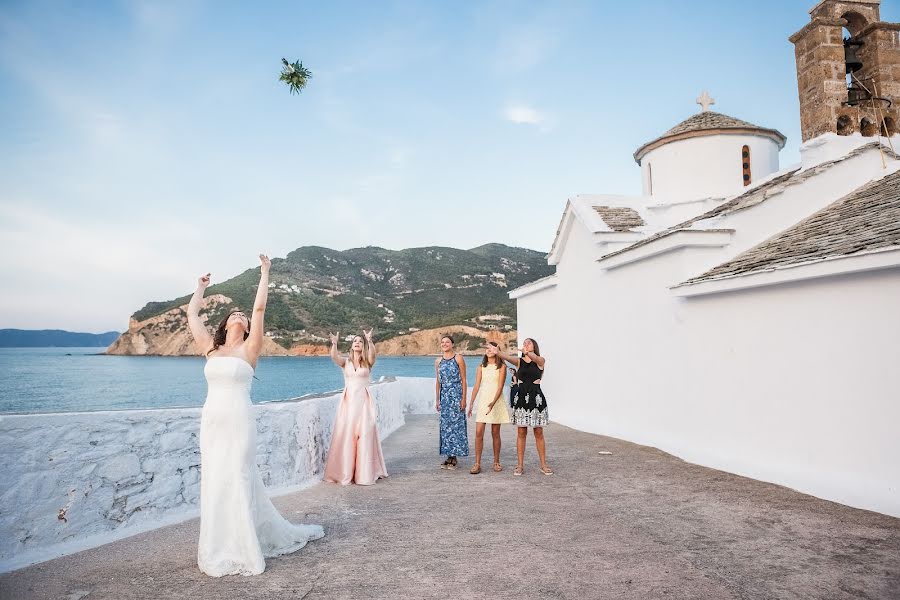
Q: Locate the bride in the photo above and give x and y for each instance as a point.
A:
(239, 526)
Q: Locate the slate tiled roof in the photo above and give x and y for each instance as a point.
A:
(867, 219)
(619, 218)
(709, 121)
(756, 195)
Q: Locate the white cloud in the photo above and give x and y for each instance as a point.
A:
(523, 114)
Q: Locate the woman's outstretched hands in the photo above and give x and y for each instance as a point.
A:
(334, 338)
(203, 281)
(368, 334)
(264, 262)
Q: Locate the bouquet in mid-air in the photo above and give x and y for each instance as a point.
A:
(295, 75)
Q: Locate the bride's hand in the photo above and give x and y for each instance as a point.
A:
(368, 334)
(334, 338)
(203, 281)
(264, 263)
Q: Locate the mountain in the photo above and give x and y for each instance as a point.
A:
(48, 338)
(315, 290)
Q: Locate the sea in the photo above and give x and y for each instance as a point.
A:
(52, 380)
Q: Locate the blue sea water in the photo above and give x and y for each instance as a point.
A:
(41, 380)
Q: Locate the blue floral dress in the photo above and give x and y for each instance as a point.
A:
(454, 438)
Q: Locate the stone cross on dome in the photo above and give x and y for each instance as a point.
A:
(705, 100)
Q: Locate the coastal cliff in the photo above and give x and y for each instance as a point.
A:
(167, 334)
(409, 296)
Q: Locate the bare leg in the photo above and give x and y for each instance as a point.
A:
(495, 437)
(479, 442)
(541, 448)
(521, 435)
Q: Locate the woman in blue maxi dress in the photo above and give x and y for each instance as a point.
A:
(450, 401)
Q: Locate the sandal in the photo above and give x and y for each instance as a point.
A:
(498, 467)
(546, 470)
(445, 464)
(519, 471)
(476, 469)
(451, 463)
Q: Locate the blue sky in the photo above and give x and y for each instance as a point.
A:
(146, 142)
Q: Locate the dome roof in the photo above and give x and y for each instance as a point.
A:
(709, 123)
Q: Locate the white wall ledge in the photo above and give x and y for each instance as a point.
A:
(534, 287)
(682, 238)
(884, 258)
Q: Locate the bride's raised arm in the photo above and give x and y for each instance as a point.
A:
(203, 341)
(257, 322)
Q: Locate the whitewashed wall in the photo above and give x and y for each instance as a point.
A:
(708, 166)
(73, 480)
(795, 384)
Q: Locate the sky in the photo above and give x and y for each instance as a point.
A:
(143, 143)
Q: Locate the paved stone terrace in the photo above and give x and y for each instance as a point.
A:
(636, 524)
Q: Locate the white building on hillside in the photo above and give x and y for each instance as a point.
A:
(739, 315)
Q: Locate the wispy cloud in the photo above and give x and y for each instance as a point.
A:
(522, 114)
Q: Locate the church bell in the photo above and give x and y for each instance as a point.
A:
(850, 57)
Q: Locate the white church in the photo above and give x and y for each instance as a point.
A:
(739, 314)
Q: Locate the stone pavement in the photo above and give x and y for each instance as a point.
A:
(635, 524)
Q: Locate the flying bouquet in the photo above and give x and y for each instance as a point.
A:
(295, 75)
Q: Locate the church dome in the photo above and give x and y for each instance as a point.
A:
(709, 123)
(708, 155)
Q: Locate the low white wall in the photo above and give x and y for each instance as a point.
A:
(75, 480)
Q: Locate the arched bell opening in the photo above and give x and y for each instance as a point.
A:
(889, 127)
(855, 22)
(844, 125)
(868, 127)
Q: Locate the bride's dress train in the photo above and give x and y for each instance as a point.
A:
(239, 526)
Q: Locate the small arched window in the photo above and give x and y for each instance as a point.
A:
(844, 125)
(745, 164)
(868, 127)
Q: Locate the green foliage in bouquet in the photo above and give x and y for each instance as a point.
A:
(295, 75)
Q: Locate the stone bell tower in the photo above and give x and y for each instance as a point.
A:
(848, 83)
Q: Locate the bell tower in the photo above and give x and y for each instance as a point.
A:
(848, 70)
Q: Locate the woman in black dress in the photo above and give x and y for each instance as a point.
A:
(529, 404)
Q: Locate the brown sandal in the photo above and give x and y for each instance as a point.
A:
(546, 470)
(498, 467)
(519, 471)
(476, 469)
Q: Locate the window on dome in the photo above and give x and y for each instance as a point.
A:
(745, 164)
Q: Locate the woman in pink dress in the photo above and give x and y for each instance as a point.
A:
(355, 452)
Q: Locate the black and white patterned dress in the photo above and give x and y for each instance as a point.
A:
(529, 404)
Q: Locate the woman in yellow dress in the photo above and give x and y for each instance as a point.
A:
(489, 380)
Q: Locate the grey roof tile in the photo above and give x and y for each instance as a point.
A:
(867, 219)
(620, 218)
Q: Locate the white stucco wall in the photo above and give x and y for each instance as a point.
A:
(795, 384)
(708, 166)
(75, 480)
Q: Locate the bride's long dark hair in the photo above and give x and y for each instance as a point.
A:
(219, 335)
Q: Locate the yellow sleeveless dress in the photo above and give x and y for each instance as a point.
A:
(490, 382)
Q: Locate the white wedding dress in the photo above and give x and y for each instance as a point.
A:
(239, 526)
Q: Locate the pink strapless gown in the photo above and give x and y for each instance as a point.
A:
(355, 453)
